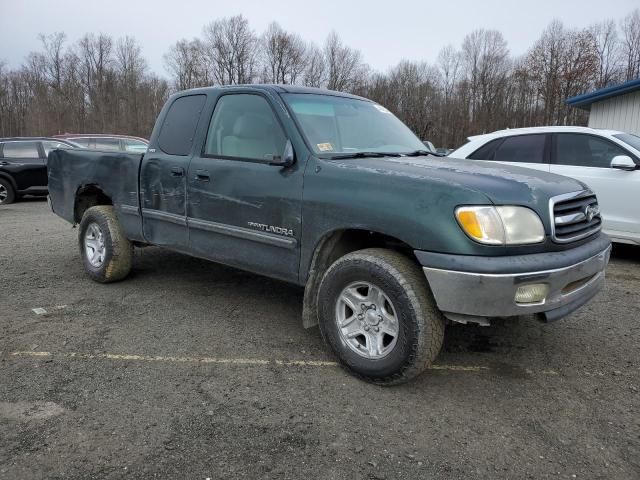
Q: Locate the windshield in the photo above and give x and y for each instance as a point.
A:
(339, 125)
(629, 139)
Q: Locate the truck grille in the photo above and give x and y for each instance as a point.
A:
(574, 216)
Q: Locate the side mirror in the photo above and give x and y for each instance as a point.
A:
(429, 145)
(623, 162)
(287, 159)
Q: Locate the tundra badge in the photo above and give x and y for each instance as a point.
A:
(271, 229)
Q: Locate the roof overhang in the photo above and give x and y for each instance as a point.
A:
(585, 100)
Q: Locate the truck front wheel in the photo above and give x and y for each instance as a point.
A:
(378, 315)
(106, 252)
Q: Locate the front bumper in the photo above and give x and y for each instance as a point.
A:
(464, 295)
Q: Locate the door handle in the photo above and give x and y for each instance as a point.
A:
(202, 175)
(177, 171)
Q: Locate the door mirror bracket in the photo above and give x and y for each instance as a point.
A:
(623, 162)
(285, 160)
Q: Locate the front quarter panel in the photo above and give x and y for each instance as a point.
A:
(419, 212)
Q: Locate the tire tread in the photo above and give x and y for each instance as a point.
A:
(121, 258)
(430, 326)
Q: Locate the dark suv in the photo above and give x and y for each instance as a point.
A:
(23, 169)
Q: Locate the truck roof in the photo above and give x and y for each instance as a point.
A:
(275, 88)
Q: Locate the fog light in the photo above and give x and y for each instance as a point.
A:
(534, 293)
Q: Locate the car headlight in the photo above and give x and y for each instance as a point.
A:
(504, 225)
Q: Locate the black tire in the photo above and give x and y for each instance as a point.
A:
(8, 194)
(420, 323)
(118, 251)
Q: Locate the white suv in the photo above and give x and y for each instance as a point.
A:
(608, 161)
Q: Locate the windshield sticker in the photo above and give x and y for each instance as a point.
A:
(380, 108)
(325, 147)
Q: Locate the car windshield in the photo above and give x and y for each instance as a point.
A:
(629, 139)
(339, 125)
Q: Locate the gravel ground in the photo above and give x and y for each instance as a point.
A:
(192, 370)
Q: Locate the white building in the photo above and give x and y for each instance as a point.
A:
(615, 108)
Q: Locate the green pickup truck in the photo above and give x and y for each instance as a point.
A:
(332, 192)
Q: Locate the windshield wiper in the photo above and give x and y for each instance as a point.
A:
(364, 155)
(420, 153)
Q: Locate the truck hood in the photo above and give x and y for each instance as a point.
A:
(501, 184)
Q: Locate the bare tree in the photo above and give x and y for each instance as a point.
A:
(605, 38)
(128, 59)
(186, 61)
(284, 55)
(449, 65)
(231, 47)
(130, 68)
(96, 57)
(486, 61)
(90, 86)
(344, 64)
(579, 72)
(316, 67)
(631, 44)
(416, 87)
(565, 63)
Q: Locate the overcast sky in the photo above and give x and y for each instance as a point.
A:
(385, 31)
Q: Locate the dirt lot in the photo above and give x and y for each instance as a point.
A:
(193, 370)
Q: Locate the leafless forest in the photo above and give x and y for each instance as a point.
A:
(102, 84)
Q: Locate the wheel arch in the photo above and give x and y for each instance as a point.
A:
(333, 245)
(10, 179)
(88, 196)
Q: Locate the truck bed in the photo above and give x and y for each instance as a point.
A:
(115, 173)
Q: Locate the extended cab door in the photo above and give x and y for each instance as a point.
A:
(242, 211)
(163, 173)
(588, 158)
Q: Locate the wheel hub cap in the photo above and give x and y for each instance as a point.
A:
(366, 320)
(3, 193)
(94, 247)
(372, 317)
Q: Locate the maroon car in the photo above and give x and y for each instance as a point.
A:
(123, 143)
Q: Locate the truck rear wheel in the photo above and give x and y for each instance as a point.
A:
(378, 315)
(7, 193)
(106, 252)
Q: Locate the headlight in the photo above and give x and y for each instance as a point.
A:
(504, 225)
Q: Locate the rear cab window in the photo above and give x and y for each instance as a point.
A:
(179, 126)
